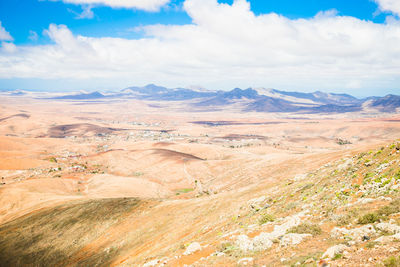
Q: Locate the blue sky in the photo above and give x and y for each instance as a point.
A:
(49, 30)
(20, 17)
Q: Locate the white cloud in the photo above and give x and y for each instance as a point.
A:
(226, 46)
(8, 47)
(87, 12)
(389, 5)
(33, 36)
(4, 35)
(148, 5)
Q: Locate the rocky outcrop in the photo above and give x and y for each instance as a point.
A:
(265, 240)
(293, 239)
(331, 252)
(360, 234)
(192, 248)
(388, 228)
(388, 239)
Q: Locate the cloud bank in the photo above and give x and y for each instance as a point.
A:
(4, 35)
(225, 46)
(148, 5)
(389, 5)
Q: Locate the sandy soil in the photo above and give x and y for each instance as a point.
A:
(202, 166)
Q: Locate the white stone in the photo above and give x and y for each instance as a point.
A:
(293, 239)
(331, 252)
(258, 203)
(244, 261)
(388, 227)
(262, 242)
(192, 248)
(388, 239)
(151, 263)
(357, 234)
(244, 243)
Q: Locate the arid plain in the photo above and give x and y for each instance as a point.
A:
(129, 183)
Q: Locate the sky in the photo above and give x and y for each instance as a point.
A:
(337, 46)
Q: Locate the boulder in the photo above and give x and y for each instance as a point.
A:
(388, 239)
(258, 203)
(244, 243)
(192, 248)
(262, 242)
(151, 263)
(331, 252)
(388, 228)
(360, 234)
(293, 239)
(245, 261)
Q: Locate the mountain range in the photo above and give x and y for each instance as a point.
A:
(251, 99)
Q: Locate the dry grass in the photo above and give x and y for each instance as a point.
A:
(50, 237)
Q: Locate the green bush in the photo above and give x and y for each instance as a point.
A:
(369, 218)
(306, 228)
(266, 218)
(393, 207)
(392, 261)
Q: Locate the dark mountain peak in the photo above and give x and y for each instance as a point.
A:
(387, 103)
(81, 96)
(238, 93)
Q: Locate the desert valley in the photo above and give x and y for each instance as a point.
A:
(151, 176)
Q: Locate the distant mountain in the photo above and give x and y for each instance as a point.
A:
(224, 98)
(388, 103)
(257, 100)
(154, 92)
(148, 90)
(331, 108)
(271, 104)
(83, 96)
(323, 98)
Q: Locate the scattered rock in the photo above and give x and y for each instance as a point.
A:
(389, 199)
(388, 239)
(293, 239)
(245, 261)
(258, 203)
(331, 252)
(388, 228)
(244, 243)
(309, 261)
(360, 234)
(151, 263)
(265, 240)
(192, 248)
(262, 242)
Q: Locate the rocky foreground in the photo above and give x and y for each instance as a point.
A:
(346, 213)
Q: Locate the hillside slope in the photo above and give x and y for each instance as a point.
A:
(346, 212)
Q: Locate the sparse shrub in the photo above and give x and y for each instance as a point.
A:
(226, 247)
(343, 220)
(306, 228)
(369, 218)
(392, 261)
(338, 256)
(393, 207)
(53, 159)
(266, 218)
(291, 206)
(371, 244)
(362, 155)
